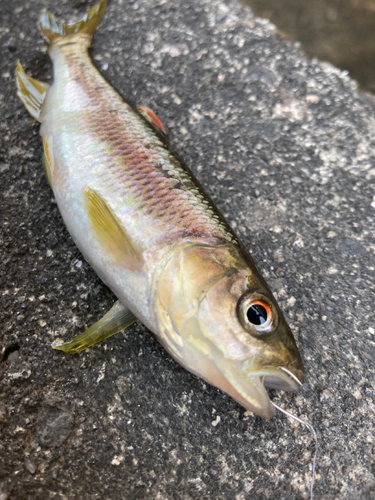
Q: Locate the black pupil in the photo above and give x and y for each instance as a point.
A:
(257, 314)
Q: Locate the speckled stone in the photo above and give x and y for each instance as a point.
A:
(286, 148)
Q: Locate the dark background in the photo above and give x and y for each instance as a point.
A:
(339, 31)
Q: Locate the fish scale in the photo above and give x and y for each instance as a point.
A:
(145, 172)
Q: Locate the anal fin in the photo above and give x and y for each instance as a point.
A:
(48, 159)
(116, 319)
(31, 92)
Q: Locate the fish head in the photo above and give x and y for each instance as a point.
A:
(218, 318)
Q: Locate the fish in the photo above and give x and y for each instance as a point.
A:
(145, 225)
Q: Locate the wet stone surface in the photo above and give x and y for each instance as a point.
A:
(285, 146)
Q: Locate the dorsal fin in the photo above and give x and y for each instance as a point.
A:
(152, 119)
(109, 230)
(31, 92)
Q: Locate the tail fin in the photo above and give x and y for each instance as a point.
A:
(52, 29)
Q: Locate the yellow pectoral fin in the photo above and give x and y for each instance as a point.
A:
(109, 230)
(118, 318)
(31, 92)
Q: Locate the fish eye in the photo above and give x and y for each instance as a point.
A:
(257, 314)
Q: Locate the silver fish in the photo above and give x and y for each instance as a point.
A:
(145, 225)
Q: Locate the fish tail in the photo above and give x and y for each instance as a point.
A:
(52, 29)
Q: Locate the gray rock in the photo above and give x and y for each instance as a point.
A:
(30, 466)
(285, 146)
(54, 424)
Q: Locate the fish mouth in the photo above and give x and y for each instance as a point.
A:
(251, 391)
(280, 379)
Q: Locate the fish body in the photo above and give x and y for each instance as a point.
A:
(153, 236)
(98, 144)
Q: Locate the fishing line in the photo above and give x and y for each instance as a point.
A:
(312, 430)
(291, 375)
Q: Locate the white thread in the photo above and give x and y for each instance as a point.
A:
(291, 375)
(312, 430)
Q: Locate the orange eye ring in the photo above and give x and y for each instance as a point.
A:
(257, 314)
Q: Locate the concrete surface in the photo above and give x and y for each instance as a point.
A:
(285, 146)
(338, 31)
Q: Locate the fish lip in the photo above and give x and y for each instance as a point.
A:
(279, 378)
